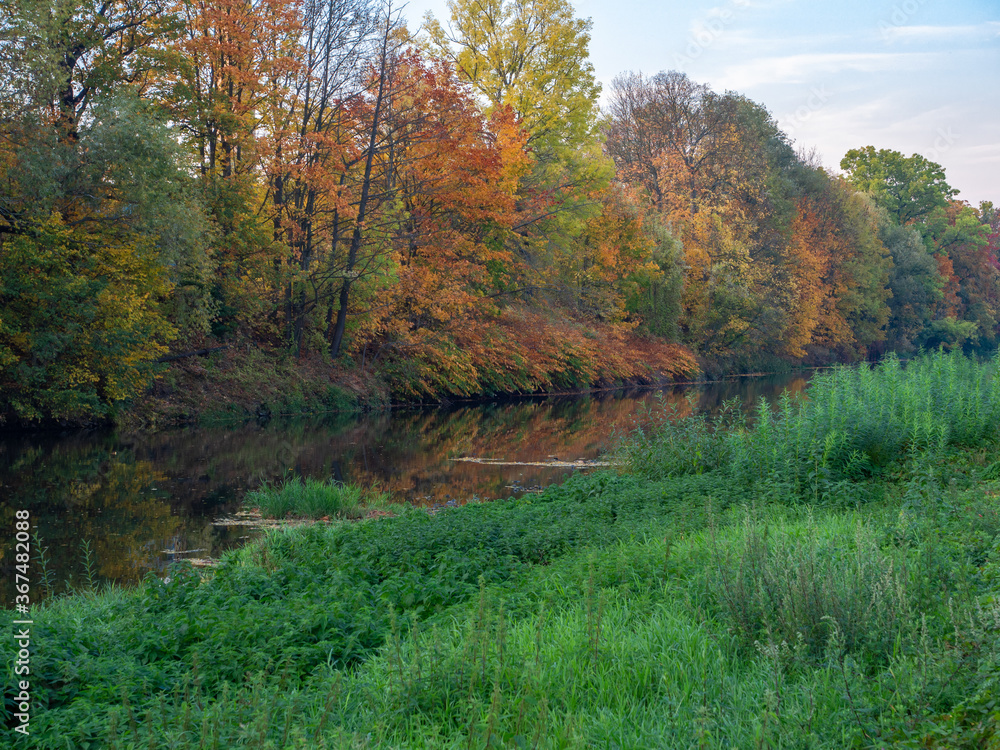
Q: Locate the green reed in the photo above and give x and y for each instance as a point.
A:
(314, 498)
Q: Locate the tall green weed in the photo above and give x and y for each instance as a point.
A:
(851, 425)
(808, 585)
(669, 440)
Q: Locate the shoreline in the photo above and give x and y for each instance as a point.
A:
(329, 395)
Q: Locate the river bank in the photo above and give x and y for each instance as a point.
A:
(824, 578)
(240, 383)
(245, 381)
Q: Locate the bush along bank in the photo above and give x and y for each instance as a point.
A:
(802, 581)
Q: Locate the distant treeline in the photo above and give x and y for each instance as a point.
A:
(451, 212)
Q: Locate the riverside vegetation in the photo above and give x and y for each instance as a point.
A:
(234, 209)
(311, 498)
(822, 575)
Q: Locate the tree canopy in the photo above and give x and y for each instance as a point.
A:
(531, 56)
(908, 187)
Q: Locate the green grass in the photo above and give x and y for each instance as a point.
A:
(313, 498)
(679, 605)
(854, 423)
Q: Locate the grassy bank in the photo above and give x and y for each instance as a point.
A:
(244, 381)
(825, 577)
(523, 352)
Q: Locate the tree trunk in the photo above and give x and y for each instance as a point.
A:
(352, 253)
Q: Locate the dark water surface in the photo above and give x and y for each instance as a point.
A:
(138, 502)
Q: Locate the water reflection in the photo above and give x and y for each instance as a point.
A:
(142, 501)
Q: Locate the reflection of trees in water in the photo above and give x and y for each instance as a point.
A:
(81, 491)
(133, 497)
(142, 522)
(749, 391)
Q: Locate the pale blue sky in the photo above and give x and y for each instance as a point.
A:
(917, 76)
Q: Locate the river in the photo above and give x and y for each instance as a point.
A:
(131, 504)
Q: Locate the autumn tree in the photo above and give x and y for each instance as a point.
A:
(631, 270)
(945, 295)
(533, 58)
(102, 235)
(79, 333)
(967, 264)
(679, 139)
(313, 120)
(217, 78)
(355, 264)
(451, 175)
(703, 160)
(224, 67)
(839, 271)
(88, 246)
(779, 259)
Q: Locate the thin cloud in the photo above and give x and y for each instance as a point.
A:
(989, 152)
(805, 68)
(751, 40)
(924, 34)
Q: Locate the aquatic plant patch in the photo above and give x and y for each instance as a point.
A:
(313, 498)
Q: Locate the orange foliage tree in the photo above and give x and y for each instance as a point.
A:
(839, 270)
(231, 60)
(452, 175)
(777, 257)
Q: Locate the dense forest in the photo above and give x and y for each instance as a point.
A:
(442, 213)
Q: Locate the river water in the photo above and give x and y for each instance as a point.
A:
(134, 503)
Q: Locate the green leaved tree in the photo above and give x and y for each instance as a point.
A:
(530, 56)
(908, 187)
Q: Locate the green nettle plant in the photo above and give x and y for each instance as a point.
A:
(854, 423)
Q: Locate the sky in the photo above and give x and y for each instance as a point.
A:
(916, 76)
